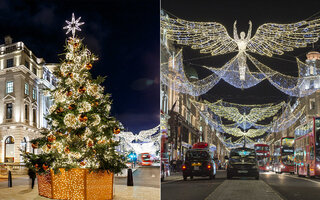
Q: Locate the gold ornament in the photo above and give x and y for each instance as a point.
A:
(88, 66)
(69, 75)
(83, 118)
(45, 167)
(71, 106)
(69, 93)
(90, 143)
(76, 45)
(67, 150)
(116, 130)
(82, 89)
(60, 110)
(35, 145)
(101, 141)
(51, 138)
(83, 163)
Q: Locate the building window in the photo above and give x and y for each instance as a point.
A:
(26, 88)
(34, 112)
(54, 82)
(34, 70)
(9, 150)
(27, 64)
(10, 63)
(34, 93)
(23, 145)
(26, 112)
(311, 84)
(9, 111)
(9, 87)
(311, 70)
(48, 77)
(312, 104)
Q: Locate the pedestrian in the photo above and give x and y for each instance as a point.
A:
(32, 175)
(179, 165)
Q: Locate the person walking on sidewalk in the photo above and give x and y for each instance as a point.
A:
(32, 175)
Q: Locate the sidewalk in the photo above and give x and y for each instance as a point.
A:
(121, 192)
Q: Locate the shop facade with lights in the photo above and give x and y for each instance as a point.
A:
(309, 105)
(185, 125)
(23, 78)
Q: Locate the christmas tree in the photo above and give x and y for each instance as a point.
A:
(81, 128)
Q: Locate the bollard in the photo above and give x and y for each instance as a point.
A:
(9, 179)
(129, 178)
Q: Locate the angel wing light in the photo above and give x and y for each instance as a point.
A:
(270, 38)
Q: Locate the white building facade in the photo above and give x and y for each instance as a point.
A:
(23, 104)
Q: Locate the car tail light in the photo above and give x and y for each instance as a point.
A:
(209, 166)
(184, 167)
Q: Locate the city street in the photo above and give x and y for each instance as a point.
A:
(270, 186)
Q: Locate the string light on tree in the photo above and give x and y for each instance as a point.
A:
(81, 125)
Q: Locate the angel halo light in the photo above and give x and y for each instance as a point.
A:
(270, 39)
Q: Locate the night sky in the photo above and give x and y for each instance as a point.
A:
(124, 34)
(259, 12)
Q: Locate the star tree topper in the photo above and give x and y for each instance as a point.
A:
(73, 25)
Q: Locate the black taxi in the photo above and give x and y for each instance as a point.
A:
(198, 162)
(242, 162)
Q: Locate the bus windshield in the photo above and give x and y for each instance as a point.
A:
(145, 157)
(288, 160)
(287, 146)
(261, 148)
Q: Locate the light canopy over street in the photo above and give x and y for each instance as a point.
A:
(240, 86)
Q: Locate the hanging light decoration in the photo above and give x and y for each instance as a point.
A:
(212, 37)
(248, 113)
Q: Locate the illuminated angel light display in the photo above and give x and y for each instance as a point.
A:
(151, 136)
(270, 39)
(246, 126)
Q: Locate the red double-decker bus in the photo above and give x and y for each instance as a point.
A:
(284, 155)
(307, 148)
(263, 156)
(144, 159)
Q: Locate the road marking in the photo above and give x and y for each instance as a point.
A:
(302, 178)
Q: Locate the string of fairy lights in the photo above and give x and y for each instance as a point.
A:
(270, 39)
(247, 128)
(212, 37)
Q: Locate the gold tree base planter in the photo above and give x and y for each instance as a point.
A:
(76, 184)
